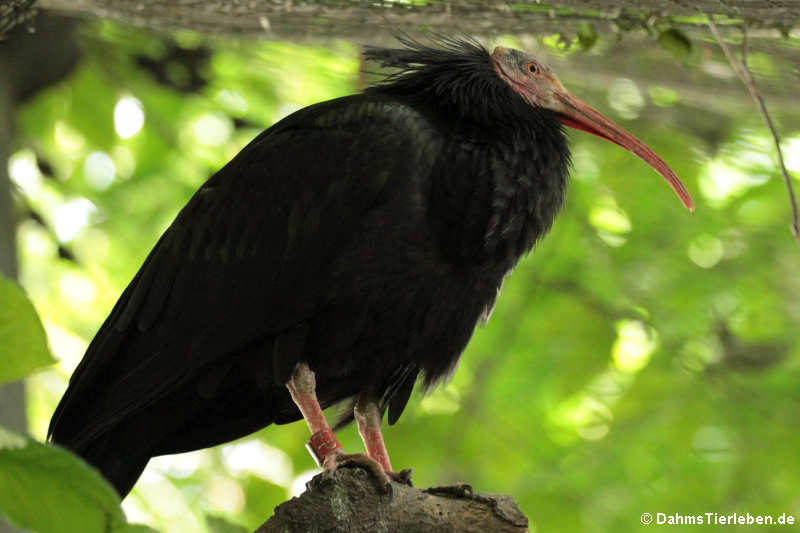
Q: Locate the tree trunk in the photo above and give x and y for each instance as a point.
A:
(12, 395)
(18, 81)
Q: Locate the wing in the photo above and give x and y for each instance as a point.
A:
(245, 258)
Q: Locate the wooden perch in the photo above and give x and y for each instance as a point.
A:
(352, 502)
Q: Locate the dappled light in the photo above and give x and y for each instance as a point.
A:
(442, 401)
(699, 353)
(260, 459)
(612, 223)
(211, 129)
(24, 173)
(99, 170)
(625, 98)
(712, 443)
(128, 117)
(634, 345)
(791, 147)
(71, 217)
(68, 140)
(705, 250)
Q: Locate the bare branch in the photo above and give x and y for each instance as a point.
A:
(741, 69)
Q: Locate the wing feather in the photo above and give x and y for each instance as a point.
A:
(245, 258)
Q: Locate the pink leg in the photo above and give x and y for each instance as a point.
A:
(368, 418)
(302, 386)
(323, 443)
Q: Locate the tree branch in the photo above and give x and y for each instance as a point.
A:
(741, 69)
(351, 502)
(354, 19)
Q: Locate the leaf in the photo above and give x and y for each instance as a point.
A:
(219, 524)
(23, 342)
(260, 494)
(134, 528)
(676, 43)
(47, 489)
(587, 36)
(625, 24)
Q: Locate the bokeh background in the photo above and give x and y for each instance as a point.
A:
(641, 359)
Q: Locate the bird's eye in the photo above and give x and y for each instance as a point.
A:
(532, 67)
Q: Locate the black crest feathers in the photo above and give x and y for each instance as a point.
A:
(455, 73)
(447, 52)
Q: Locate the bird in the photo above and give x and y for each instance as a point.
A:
(344, 256)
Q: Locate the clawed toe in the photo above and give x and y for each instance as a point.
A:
(404, 476)
(338, 458)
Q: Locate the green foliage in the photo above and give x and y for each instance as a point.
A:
(23, 343)
(676, 42)
(641, 359)
(587, 35)
(134, 528)
(218, 524)
(48, 490)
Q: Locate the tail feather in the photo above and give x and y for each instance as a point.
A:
(118, 462)
(120, 468)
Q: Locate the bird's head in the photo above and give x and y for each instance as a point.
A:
(538, 86)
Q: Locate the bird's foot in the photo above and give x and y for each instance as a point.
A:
(326, 450)
(403, 476)
(338, 458)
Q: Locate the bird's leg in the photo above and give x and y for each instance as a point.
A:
(302, 386)
(368, 419)
(323, 444)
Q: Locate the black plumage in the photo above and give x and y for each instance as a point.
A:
(365, 235)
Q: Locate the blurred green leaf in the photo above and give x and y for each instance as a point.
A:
(676, 42)
(219, 524)
(587, 36)
(261, 495)
(134, 528)
(48, 490)
(627, 24)
(23, 342)
(663, 96)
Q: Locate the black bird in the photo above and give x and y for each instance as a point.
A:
(349, 248)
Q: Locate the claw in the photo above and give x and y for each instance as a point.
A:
(338, 458)
(403, 476)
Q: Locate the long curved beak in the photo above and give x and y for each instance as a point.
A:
(578, 115)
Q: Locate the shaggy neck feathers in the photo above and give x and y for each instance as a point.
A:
(514, 154)
(456, 77)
